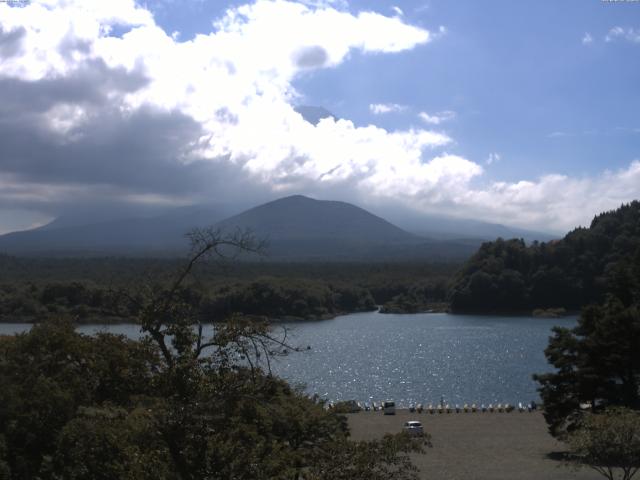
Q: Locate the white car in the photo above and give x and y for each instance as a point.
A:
(413, 428)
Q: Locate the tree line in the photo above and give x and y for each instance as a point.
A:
(509, 276)
(104, 290)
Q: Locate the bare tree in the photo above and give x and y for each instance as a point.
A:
(175, 324)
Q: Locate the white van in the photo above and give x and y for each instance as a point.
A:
(389, 408)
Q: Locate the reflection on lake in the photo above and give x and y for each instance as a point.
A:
(409, 358)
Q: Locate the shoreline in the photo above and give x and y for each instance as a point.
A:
(109, 320)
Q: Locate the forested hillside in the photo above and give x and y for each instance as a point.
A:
(509, 276)
(107, 290)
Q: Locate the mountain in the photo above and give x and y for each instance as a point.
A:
(299, 227)
(313, 114)
(440, 227)
(158, 235)
(296, 227)
(300, 217)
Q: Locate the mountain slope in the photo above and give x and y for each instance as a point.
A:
(312, 114)
(163, 234)
(298, 228)
(449, 228)
(302, 217)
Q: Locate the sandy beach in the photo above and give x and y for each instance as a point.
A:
(478, 446)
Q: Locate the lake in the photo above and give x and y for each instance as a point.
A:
(409, 358)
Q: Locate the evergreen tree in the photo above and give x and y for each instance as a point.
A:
(597, 362)
(570, 273)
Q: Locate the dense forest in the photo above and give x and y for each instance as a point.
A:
(110, 289)
(178, 404)
(509, 276)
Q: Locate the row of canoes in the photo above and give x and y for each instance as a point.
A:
(447, 408)
(466, 408)
(353, 406)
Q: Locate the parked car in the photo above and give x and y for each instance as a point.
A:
(413, 428)
(389, 408)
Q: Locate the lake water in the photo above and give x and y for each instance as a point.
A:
(409, 358)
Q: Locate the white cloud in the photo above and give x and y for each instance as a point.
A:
(382, 108)
(94, 109)
(619, 33)
(58, 36)
(587, 39)
(558, 134)
(437, 118)
(585, 133)
(493, 158)
(397, 10)
(550, 203)
(442, 31)
(341, 4)
(555, 201)
(235, 83)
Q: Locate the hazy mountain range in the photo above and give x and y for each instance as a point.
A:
(296, 228)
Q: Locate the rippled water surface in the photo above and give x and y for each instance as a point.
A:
(410, 358)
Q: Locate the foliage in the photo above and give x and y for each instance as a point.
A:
(5, 473)
(175, 405)
(110, 442)
(99, 290)
(598, 362)
(354, 459)
(608, 442)
(508, 276)
(281, 298)
(427, 296)
(49, 373)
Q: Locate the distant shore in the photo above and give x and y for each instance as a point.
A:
(478, 446)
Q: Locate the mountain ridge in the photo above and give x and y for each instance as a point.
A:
(298, 227)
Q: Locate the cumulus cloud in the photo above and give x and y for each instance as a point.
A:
(98, 102)
(341, 4)
(550, 203)
(620, 33)
(437, 118)
(587, 39)
(382, 108)
(141, 114)
(556, 202)
(493, 158)
(311, 57)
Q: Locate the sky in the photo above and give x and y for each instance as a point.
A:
(522, 113)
